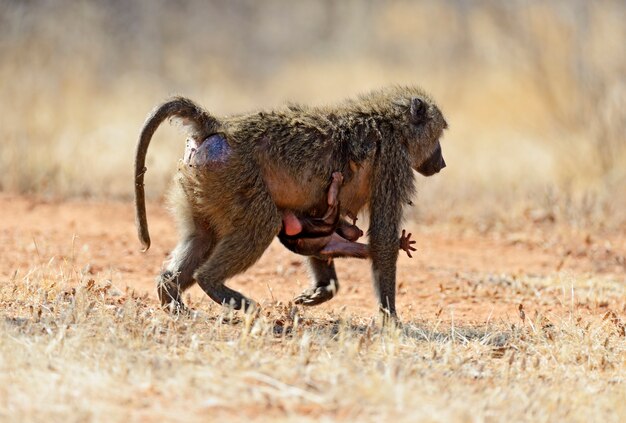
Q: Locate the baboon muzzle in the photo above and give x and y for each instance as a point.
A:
(433, 164)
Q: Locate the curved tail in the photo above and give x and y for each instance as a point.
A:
(201, 124)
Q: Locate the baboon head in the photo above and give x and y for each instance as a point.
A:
(424, 125)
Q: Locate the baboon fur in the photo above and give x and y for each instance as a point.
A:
(228, 213)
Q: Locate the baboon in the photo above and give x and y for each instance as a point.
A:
(329, 236)
(230, 209)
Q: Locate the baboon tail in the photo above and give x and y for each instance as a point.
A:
(201, 123)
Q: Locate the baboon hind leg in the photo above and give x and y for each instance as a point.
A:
(325, 283)
(188, 255)
(233, 254)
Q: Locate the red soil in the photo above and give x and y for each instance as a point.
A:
(456, 274)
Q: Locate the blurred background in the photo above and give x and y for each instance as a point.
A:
(534, 91)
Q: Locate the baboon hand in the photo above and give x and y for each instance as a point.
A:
(406, 243)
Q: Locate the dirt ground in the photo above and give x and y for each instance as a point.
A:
(457, 274)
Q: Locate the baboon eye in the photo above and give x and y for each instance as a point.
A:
(418, 110)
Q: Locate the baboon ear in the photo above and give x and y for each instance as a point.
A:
(418, 109)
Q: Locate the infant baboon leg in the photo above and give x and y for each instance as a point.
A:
(188, 255)
(339, 247)
(325, 283)
(233, 254)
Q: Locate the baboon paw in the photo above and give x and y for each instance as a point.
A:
(167, 289)
(389, 319)
(243, 304)
(315, 296)
(176, 308)
(251, 308)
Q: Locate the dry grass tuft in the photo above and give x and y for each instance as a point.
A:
(75, 349)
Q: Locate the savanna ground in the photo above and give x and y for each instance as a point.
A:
(513, 308)
(83, 337)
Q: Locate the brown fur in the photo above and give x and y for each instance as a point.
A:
(281, 160)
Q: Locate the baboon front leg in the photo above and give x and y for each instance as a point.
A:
(384, 274)
(325, 283)
(188, 255)
(233, 254)
(385, 217)
(384, 256)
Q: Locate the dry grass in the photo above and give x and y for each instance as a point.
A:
(75, 349)
(533, 91)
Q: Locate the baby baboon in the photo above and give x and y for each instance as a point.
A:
(265, 163)
(329, 236)
(308, 235)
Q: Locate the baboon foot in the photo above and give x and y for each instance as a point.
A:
(177, 308)
(317, 295)
(389, 319)
(231, 298)
(169, 292)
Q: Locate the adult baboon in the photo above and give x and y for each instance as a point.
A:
(264, 163)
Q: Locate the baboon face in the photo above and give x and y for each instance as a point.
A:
(426, 125)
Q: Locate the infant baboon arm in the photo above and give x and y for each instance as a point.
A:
(339, 247)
